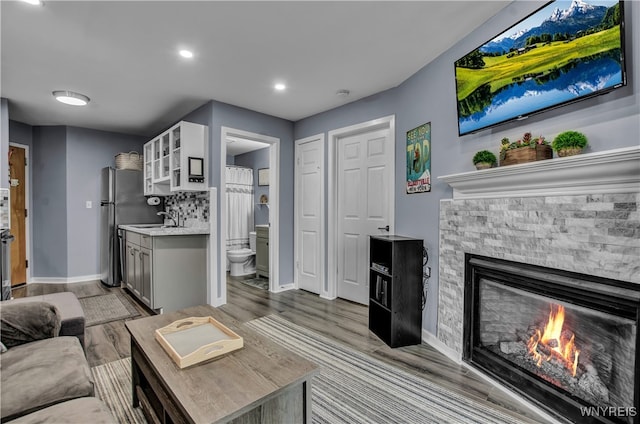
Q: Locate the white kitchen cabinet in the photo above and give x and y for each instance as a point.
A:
(154, 185)
(176, 160)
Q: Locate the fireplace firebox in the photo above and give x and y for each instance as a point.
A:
(568, 342)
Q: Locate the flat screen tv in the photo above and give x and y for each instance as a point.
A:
(564, 52)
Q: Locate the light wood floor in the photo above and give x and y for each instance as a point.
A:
(344, 321)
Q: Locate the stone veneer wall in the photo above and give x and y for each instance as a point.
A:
(595, 234)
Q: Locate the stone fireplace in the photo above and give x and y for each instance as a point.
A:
(571, 215)
(565, 340)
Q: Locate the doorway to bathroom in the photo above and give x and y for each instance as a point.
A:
(249, 208)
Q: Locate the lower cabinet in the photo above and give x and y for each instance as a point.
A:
(138, 266)
(262, 251)
(166, 273)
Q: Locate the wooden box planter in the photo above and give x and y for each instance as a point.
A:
(527, 154)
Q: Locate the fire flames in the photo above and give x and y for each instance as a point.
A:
(555, 342)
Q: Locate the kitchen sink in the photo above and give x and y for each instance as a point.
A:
(147, 225)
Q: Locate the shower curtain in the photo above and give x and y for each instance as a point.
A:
(240, 204)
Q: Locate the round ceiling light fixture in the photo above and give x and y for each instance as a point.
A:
(70, 98)
(187, 54)
(280, 86)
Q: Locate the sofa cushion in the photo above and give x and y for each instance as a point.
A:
(83, 410)
(72, 318)
(39, 374)
(28, 322)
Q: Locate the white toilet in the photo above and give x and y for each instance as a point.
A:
(242, 261)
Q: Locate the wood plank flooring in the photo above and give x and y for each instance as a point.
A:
(341, 320)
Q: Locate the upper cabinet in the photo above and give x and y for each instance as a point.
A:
(176, 160)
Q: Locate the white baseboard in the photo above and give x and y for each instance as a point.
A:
(67, 280)
(433, 341)
(217, 302)
(286, 287)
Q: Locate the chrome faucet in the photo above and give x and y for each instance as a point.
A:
(173, 215)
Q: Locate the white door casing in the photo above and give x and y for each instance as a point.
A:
(274, 210)
(309, 231)
(361, 202)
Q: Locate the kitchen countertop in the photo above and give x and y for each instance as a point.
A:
(158, 231)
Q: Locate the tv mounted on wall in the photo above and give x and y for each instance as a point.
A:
(564, 52)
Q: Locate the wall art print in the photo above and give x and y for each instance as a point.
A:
(419, 159)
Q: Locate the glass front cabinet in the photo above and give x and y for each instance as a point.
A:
(176, 160)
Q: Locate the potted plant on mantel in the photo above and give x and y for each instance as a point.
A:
(484, 159)
(569, 143)
(527, 149)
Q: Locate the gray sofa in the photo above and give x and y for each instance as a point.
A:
(69, 308)
(44, 377)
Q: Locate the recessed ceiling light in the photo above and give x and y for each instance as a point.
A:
(280, 86)
(71, 98)
(34, 2)
(188, 54)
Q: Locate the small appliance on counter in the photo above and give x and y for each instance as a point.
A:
(122, 202)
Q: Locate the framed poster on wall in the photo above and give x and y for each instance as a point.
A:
(419, 159)
(263, 177)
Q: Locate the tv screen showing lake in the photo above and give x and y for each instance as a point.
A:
(521, 98)
(563, 52)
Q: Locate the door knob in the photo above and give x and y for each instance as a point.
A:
(386, 228)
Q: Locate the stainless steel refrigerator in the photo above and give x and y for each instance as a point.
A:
(122, 202)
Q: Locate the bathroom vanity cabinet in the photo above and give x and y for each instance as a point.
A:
(262, 251)
(166, 272)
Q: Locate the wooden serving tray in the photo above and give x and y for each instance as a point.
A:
(190, 341)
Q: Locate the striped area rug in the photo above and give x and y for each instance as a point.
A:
(352, 387)
(113, 386)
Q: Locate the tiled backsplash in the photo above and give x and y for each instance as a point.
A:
(193, 207)
(4, 208)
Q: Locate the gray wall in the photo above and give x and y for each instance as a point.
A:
(88, 151)
(217, 115)
(609, 121)
(49, 208)
(255, 160)
(4, 143)
(65, 174)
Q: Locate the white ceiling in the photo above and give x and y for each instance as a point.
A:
(123, 55)
(238, 146)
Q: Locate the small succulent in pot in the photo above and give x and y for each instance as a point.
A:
(569, 143)
(484, 159)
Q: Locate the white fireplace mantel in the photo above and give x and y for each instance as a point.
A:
(611, 171)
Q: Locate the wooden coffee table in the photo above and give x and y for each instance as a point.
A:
(262, 382)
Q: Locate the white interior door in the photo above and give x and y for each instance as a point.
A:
(365, 176)
(309, 194)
